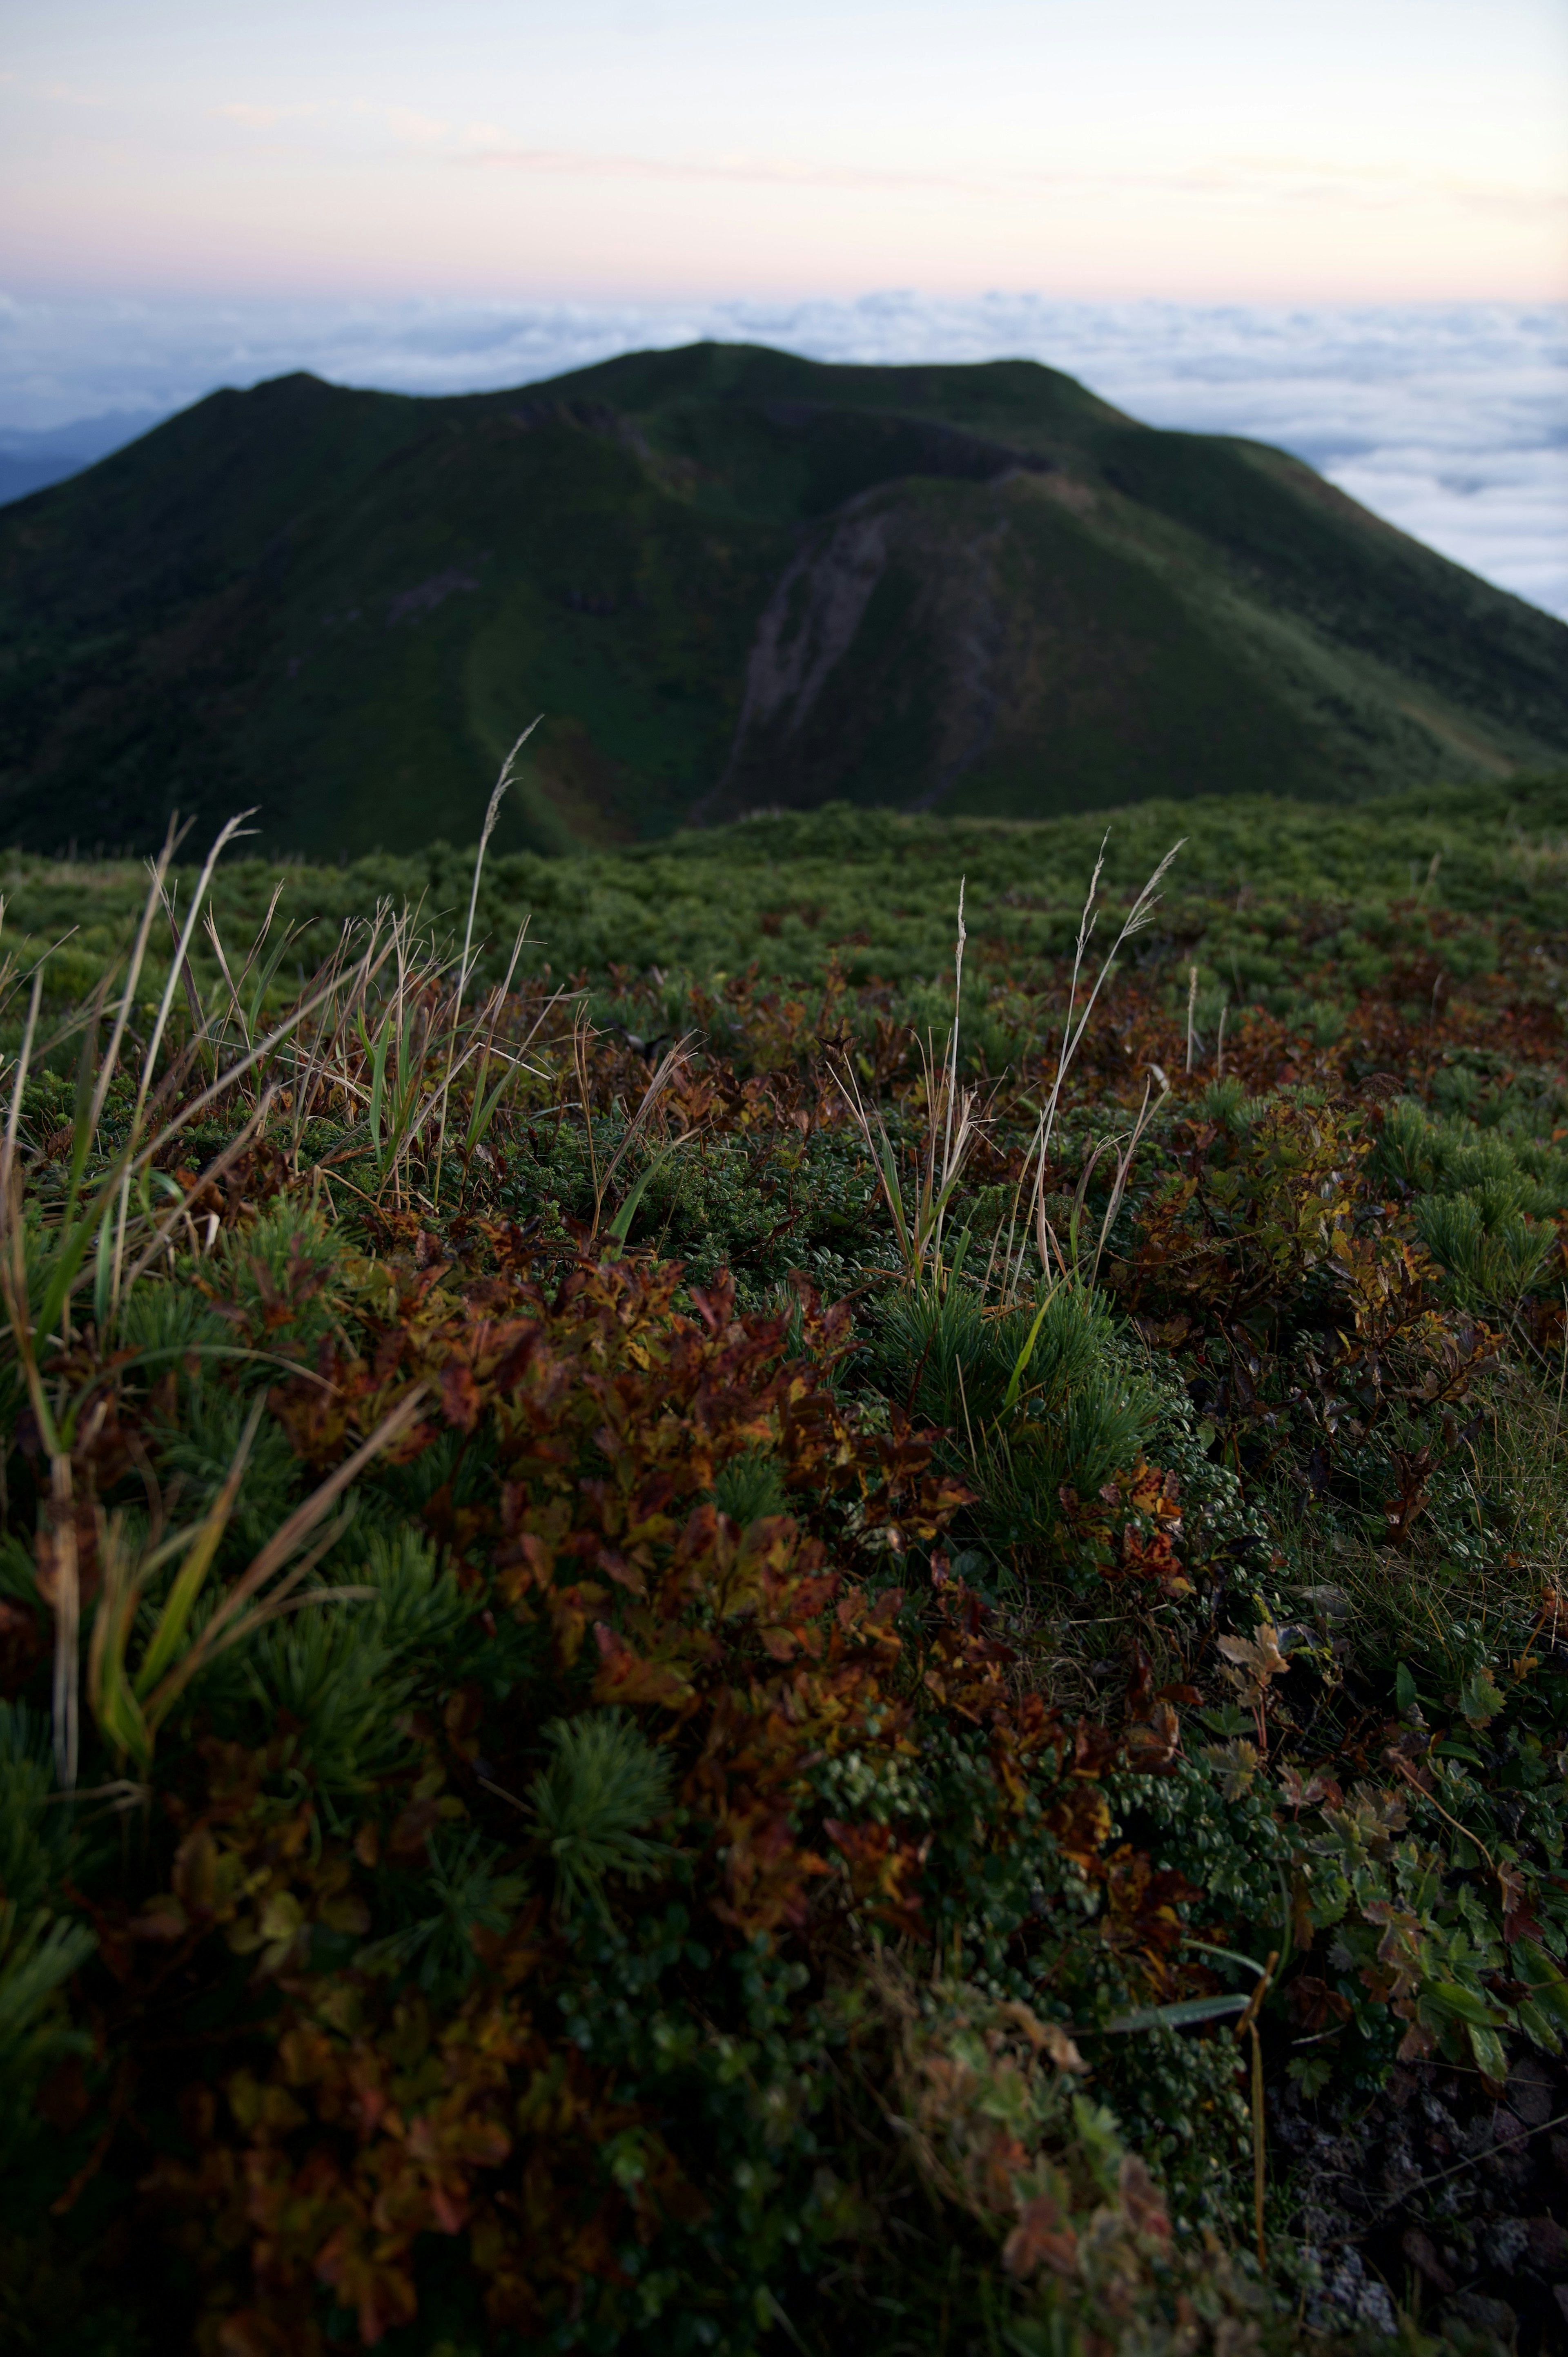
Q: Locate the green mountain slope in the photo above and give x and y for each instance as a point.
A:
(730, 579)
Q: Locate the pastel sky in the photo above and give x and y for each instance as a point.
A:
(1199, 150)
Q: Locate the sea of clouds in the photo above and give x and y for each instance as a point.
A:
(1451, 420)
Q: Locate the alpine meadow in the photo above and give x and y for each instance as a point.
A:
(783, 1483)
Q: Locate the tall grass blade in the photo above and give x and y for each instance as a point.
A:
(492, 812)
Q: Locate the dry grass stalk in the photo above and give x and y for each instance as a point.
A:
(1075, 1025)
(951, 1127)
(1068, 1261)
(668, 1064)
(492, 813)
(104, 1230)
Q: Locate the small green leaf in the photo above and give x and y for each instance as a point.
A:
(1310, 2074)
(1452, 1996)
(1490, 2054)
(1547, 1990)
(1480, 1697)
(1536, 2027)
(1181, 2016)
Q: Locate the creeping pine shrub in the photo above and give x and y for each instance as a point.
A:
(472, 1891)
(1031, 1401)
(40, 1947)
(273, 1275)
(39, 1841)
(604, 1787)
(749, 1486)
(327, 1677)
(1484, 1203)
(417, 1605)
(164, 1323)
(39, 1955)
(198, 1447)
(1494, 1254)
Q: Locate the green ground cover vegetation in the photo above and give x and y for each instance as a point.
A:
(779, 1612)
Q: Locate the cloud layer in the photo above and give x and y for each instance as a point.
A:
(1449, 420)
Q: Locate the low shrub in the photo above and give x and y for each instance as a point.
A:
(604, 1745)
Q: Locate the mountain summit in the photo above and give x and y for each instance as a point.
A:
(730, 579)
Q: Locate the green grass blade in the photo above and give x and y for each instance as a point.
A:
(485, 1108)
(174, 1620)
(1181, 2015)
(1022, 1363)
(66, 1267)
(620, 1226)
(378, 1082)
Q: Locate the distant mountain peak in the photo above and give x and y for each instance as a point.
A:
(731, 579)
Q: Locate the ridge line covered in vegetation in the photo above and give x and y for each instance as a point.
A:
(733, 579)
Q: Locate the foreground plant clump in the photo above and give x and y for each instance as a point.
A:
(687, 1669)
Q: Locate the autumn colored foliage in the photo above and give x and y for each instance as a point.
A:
(634, 1770)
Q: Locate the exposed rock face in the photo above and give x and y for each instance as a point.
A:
(809, 621)
(882, 613)
(1444, 2187)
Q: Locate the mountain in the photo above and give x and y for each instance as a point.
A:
(730, 579)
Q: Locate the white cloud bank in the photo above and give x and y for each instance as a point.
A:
(1450, 420)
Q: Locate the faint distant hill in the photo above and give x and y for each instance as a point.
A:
(730, 579)
(31, 458)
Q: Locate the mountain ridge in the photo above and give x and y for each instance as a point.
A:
(732, 579)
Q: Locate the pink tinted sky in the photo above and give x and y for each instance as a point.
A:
(1251, 150)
